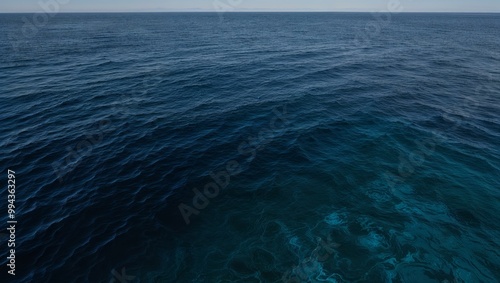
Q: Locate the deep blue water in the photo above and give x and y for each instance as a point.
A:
(345, 149)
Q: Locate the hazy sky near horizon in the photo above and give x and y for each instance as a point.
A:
(252, 5)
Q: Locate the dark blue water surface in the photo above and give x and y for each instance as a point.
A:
(300, 147)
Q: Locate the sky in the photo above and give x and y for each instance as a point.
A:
(9, 6)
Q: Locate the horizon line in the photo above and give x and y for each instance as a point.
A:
(255, 11)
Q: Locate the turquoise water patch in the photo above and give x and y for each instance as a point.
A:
(336, 219)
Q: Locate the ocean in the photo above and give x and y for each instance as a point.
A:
(251, 147)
